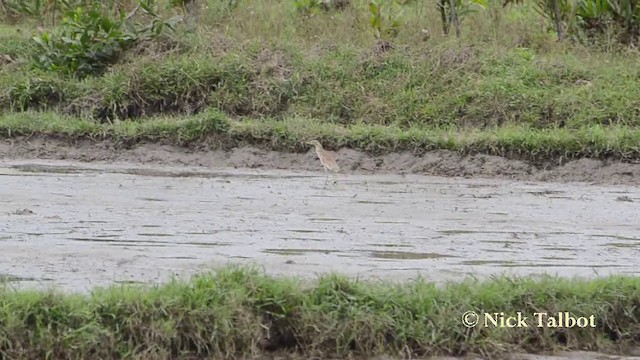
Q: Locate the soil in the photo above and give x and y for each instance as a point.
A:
(77, 225)
(85, 214)
(437, 163)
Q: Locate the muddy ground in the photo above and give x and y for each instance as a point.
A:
(77, 225)
(437, 163)
(88, 215)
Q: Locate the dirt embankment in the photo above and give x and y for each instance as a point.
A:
(438, 163)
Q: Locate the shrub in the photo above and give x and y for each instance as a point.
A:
(90, 40)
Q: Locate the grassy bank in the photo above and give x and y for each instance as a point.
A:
(218, 130)
(505, 87)
(238, 311)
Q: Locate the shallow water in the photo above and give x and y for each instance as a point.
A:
(77, 226)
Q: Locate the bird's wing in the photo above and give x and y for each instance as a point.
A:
(330, 156)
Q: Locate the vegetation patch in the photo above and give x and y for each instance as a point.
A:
(214, 128)
(386, 72)
(239, 311)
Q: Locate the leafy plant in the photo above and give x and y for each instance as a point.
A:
(90, 40)
(384, 18)
(307, 7)
(627, 15)
(460, 10)
(591, 17)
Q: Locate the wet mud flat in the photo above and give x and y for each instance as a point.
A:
(433, 163)
(76, 226)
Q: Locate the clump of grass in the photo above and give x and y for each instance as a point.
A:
(240, 311)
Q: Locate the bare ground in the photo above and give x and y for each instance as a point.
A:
(79, 226)
(76, 237)
(437, 163)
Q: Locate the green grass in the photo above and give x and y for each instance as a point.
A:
(537, 145)
(240, 311)
(504, 88)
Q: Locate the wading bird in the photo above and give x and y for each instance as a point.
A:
(326, 158)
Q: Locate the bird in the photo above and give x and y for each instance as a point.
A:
(327, 159)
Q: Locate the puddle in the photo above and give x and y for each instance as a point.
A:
(405, 255)
(545, 192)
(7, 278)
(457, 232)
(623, 245)
(129, 282)
(484, 262)
(561, 265)
(325, 219)
(374, 202)
(305, 231)
(499, 250)
(392, 245)
(390, 222)
(207, 244)
(558, 248)
(124, 245)
(50, 169)
(212, 232)
(301, 239)
(120, 241)
(617, 237)
(505, 242)
(297, 251)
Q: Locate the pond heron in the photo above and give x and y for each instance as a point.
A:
(327, 158)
